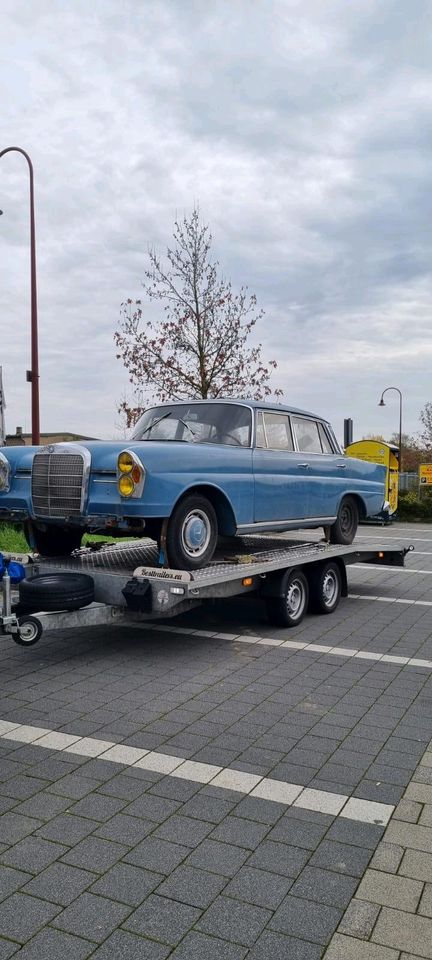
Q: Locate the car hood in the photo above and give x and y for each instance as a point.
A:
(154, 454)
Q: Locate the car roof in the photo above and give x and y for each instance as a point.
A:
(261, 404)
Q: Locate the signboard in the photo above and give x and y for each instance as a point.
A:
(425, 474)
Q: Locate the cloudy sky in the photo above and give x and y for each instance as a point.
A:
(303, 130)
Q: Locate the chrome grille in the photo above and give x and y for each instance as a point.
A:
(57, 483)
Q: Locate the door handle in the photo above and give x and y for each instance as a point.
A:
(341, 466)
(303, 465)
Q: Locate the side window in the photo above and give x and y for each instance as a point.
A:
(278, 431)
(260, 435)
(308, 438)
(325, 442)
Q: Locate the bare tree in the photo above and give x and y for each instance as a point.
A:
(199, 347)
(426, 419)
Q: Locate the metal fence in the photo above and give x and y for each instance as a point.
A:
(408, 481)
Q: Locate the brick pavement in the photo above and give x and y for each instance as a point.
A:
(100, 858)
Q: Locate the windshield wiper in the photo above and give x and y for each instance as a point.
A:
(164, 417)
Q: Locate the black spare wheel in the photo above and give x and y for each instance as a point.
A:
(345, 528)
(53, 541)
(192, 533)
(56, 591)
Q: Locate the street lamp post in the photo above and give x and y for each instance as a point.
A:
(34, 372)
(382, 404)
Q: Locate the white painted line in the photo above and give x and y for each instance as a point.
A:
(293, 645)
(388, 658)
(271, 642)
(89, 747)
(279, 791)
(343, 651)
(6, 727)
(198, 772)
(380, 566)
(121, 753)
(236, 780)
(415, 603)
(56, 741)
(321, 801)
(399, 539)
(367, 811)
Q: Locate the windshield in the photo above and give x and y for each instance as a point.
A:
(197, 423)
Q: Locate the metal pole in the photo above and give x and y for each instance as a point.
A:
(382, 404)
(34, 314)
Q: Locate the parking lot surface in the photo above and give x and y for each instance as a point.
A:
(216, 788)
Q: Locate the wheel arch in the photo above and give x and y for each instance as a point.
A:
(226, 519)
(361, 506)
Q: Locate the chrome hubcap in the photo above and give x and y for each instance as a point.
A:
(329, 588)
(27, 632)
(295, 598)
(196, 533)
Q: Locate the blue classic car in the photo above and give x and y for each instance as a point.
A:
(192, 471)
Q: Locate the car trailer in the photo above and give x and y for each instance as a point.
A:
(122, 583)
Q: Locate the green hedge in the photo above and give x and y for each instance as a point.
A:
(413, 507)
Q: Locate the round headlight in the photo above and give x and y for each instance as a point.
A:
(125, 463)
(126, 485)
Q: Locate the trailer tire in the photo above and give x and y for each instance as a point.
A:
(192, 533)
(56, 591)
(30, 631)
(289, 608)
(325, 587)
(53, 541)
(345, 527)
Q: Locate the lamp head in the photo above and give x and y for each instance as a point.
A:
(381, 403)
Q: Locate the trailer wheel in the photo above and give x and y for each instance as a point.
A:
(30, 631)
(325, 585)
(345, 528)
(192, 533)
(289, 608)
(56, 591)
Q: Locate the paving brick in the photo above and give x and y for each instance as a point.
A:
(239, 831)
(278, 947)
(425, 907)
(158, 855)
(163, 920)
(67, 829)
(390, 891)
(347, 948)
(420, 792)
(74, 786)
(387, 857)
(95, 854)
(184, 830)
(426, 816)
(208, 808)
(153, 808)
(259, 887)
(127, 884)
(299, 918)
(279, 858)
(342, 857)
(92, 917)
(43, 806)
(298, 833)
(190, 885)
(122, 945)
(198, 946)
(263, 811)
(404, 931)
(7, 949)
(14, 827)
(410, 835)
(11, 880)
(33, 854)
(359, 919)
(96, 806)
(59, 883)
(352, 831)
(55, 945)
(22, 916)
(324, 886)
(233, 920)
(223, 858)
(416, 864)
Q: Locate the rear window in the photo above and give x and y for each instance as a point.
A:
(274, 431)
(307, 435)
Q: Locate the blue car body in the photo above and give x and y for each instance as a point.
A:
(274, 468)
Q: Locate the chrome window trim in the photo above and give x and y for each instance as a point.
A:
(315, 453)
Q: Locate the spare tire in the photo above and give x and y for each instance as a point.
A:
(56, 591)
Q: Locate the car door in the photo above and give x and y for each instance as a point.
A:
(325, 468)
(281, 481)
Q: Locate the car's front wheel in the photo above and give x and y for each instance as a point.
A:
(53, 541)
(345, 528)
(192, 533)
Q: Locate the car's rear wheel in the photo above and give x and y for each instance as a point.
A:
(192, 533)
(53, 541)
(345, 528)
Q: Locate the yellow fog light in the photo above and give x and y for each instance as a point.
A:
(126, 486)
(125, 463)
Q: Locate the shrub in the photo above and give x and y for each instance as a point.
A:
(413, 507)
